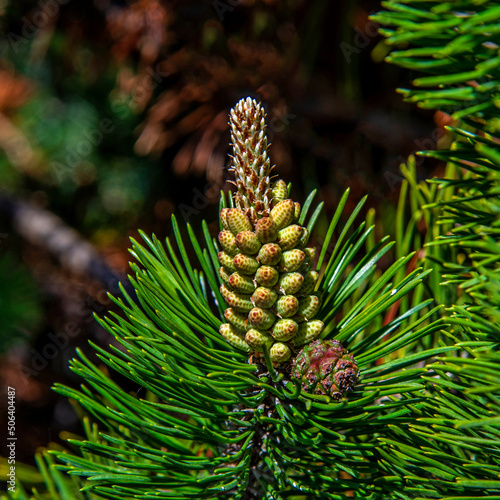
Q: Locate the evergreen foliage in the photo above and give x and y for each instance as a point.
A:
(451, 450)
(423, 419)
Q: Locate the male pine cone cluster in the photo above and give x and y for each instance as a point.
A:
(268, 284)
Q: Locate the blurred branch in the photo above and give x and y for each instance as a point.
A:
(44, 229)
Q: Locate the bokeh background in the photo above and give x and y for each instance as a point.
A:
(113, 117)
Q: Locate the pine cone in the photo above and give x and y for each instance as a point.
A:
(265, 267)
(324, 367)
(251, 163)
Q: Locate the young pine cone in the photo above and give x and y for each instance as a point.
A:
(324, 367)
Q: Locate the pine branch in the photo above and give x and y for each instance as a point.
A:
(46, 230)
(219, 424)
(453, 447)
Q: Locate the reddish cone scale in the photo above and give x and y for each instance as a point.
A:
(324, 367)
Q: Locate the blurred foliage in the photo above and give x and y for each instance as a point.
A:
(106, 107)
(20, 302)
(58, 140)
